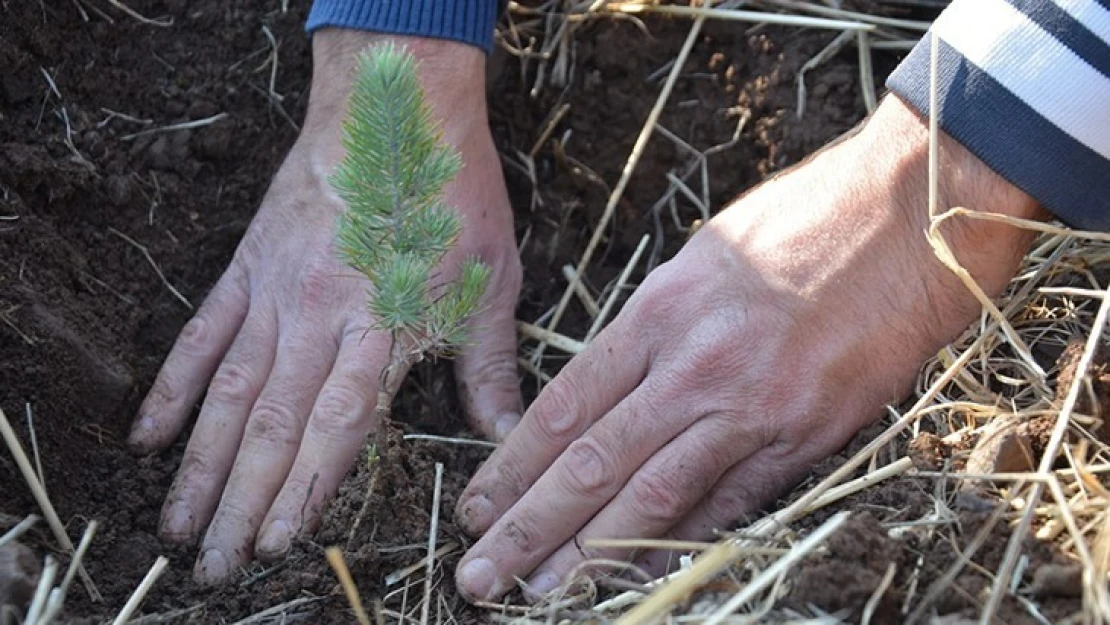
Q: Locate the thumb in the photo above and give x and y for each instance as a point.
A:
(489, 386)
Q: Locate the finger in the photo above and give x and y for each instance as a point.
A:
(579, 483)
(335, 437)
(190, 364)
(488, 382)
(658, 496)
(211, 450)
(742, 491)
(270, 441)
(590, 385)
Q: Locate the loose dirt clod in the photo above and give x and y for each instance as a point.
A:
(1003, 447)
(19, 575)
(1058, 580)
(1095, 402)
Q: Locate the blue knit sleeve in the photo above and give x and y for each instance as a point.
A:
(467, 21)
(1025, 86)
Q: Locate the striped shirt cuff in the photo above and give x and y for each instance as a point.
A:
(467, 21)
(1025, 86)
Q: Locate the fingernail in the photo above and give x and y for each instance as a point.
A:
(504, 425)
(177, 522)
(139, 431)
(212, 567)
(541, 584)
(475, 579)
(476, 514)
(275, 540)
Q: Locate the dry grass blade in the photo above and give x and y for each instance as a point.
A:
(580, 289)
(711, 562)
(626, 175)
(866, 481)
(281, 609)
(339, 565)
(826, 53)
(560, 342)
(19, 529)
(680, 585)
(779, 568)
(647, 543)
(189, 125)
(450, 440)
(622, 280)
(158, 270)
(945, 580)
(42, 591)
(75, 563)
(164, 23)
(878, 20)
(172, 616)
(738, 15)
(866, 73)
(433, 533)
(55, 523)
(877, 596)
(1052, 450)
(140, 591)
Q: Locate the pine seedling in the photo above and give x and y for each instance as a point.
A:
(397, 228)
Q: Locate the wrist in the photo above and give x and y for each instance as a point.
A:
(895, 144)
(452, 75)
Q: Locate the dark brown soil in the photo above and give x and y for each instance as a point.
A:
(85, 319)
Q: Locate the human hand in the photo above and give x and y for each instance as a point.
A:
(780, 329)
(282, 340)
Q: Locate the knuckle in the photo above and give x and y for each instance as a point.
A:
(252, 246)
(522, 531)
(511, 482)
(272, 422)
(316, 286)
(232, 385)
(510, 274)
(196, 465)
(657, 498)
(340, 410)
(196, 334)
(232, 517)
(492, 367)
(166, 393)
(735, 499)
(726, 505)
(557, 412)
(661, 291)
(590, 469)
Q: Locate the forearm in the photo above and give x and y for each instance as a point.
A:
(451, 73)
(449, 39)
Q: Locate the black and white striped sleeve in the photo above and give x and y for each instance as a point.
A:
(1025, 86)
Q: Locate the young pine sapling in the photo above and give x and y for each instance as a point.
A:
(397, 227)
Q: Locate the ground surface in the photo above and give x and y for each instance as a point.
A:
(85, 320)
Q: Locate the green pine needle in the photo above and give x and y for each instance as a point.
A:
(396, 229)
